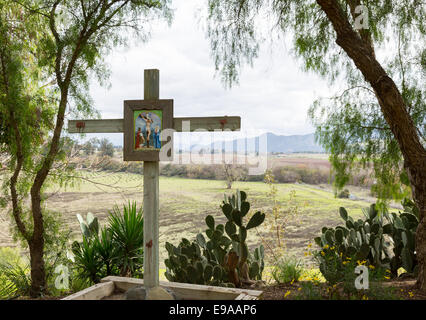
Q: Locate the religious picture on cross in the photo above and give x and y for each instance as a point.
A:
(147, 129)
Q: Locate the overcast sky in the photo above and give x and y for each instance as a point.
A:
(273, 96)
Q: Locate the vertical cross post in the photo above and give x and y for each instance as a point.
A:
(151, 173)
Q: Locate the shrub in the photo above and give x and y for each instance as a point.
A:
(287, 270)
(286, 176)
(106, 249)
(170, 170)
(313, 289)
(127, 234)
(292, 174)
(56, 246)
(232, 173)
(344, 194)
(106, 148)
(201, 172)
(93, 258)
(15, 277)
(278, 220)
(309, 290)
(134, 167)
(115, 250)
(113, 165)
(255, 178)
(87, 260)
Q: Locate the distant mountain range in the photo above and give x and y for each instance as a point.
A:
(275, 143)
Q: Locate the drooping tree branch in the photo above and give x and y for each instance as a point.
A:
(16, 208)
(389, 97)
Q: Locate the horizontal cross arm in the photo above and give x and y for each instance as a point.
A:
(179, 124)
(96, 126)
(207, 123)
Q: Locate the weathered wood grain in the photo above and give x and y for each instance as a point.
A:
(151, 191)
(190, 291)
(188, 124)
(96, 292)
(191, 124)
(151, 222)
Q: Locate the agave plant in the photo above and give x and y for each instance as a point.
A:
(126, 228)
(106, 250)
(87, 260)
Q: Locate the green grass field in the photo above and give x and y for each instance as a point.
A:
(184, 204)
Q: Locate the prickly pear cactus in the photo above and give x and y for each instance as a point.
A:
(90, 226)
(235, 208)
(383, 240)
(404, 238)
(221, 256)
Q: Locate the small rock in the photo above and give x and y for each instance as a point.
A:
(170, 291)
(136, 293)
(158, 293)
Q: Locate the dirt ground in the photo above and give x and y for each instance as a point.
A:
(184, 204)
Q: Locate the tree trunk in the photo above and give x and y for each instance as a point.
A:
(418, 186)
(395, 113)
(36, 244)
(38, 274)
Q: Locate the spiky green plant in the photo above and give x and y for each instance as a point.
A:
(87, 260)
(14, 274)
(126, 228)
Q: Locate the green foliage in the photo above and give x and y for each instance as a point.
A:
(126, 229)
(115, 250)
(89, 147)
(404, 227)
(187, 264)
(56, 245)
(313, 289)
(223, 258)
(106, 148)
(350, 125)
(383, 241)
(49, 51)
(14, 274)
(344, 194)
(287, 270)
(18, 281)
(280, 217)
(87, 260)
(231, 173)
(309, 290)
(57, 249)
(107, 250)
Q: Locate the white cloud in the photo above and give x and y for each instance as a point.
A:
(273, 96)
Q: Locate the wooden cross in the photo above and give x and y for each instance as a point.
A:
(151, 170)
